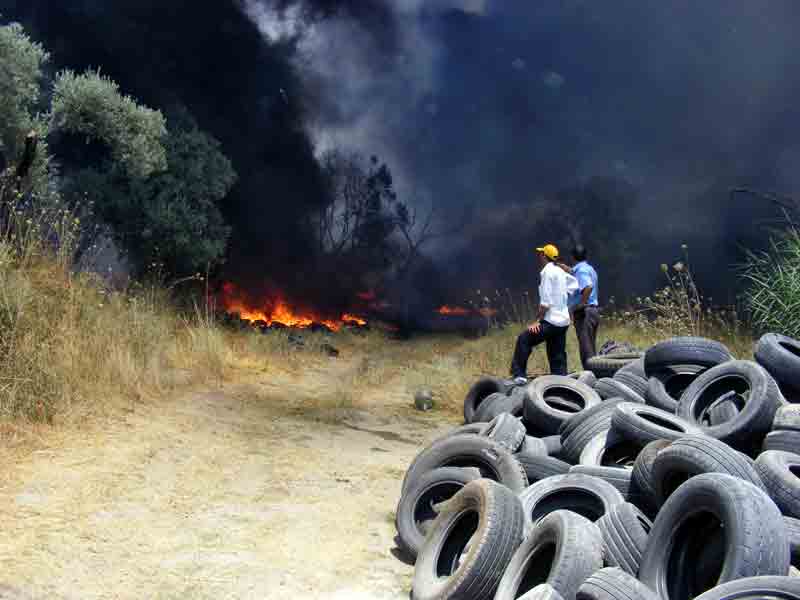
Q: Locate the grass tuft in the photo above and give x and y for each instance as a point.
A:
(772, 297)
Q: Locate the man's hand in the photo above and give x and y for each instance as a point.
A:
(565, 268)
(535, 327)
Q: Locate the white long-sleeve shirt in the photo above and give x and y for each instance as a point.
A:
(554, 289)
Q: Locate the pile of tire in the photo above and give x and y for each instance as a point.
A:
(673, 473)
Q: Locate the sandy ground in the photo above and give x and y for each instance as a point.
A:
(238, 493)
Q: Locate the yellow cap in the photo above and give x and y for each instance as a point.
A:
(549, 251)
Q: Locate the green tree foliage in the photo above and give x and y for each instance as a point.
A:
(171, 219)
(158, 190)
(92, 105)
(21, 78)
(21, 62)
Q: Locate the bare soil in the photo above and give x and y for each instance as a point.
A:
(268, 488)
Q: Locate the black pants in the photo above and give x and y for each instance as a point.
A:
(556, 340)
(586, 323)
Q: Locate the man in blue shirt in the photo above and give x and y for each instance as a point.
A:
(583, 304)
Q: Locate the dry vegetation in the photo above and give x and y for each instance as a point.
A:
(69, 348)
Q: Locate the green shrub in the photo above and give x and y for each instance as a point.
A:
(92, 105)
(772, 297)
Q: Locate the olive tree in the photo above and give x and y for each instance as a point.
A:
(157, 190)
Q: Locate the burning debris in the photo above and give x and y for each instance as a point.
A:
(453, 310)
(276, 313)
(460, 311)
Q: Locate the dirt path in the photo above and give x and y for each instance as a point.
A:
(243, 493)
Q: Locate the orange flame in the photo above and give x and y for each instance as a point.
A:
(352, 319)
(280, 312)
(453, 310)
(461, 311)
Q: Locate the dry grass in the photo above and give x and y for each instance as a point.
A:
(450, 375)
(70, 348)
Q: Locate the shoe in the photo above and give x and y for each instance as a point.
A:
(520, 380)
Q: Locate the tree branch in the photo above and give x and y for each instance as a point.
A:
(787, 205)
(28, 155)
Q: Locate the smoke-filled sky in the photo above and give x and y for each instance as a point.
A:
(482, 103)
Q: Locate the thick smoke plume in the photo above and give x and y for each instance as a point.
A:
(495, 104)
(498, 106)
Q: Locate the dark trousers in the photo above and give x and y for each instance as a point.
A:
(586, 323)
(556, 340)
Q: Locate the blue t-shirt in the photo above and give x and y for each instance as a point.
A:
(586, 276)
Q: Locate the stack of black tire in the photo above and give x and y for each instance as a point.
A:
(674, 473)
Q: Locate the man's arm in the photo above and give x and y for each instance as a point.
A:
(565, 268)
(537, 325)
(585, 293)
(545, 300)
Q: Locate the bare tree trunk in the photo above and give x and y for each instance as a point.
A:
(28, 156)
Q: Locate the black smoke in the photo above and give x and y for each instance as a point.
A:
(473, 103)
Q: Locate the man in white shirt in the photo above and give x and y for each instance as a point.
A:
(552, 321)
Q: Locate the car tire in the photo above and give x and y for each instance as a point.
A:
(785, 441)
(721, 412)
(619, 478)
(598, 412)
(625, 530)
(787, 418)
(610, 449)
(553, 444)
(552, 400)
(606, 365)
(780, 356)
(493, 405)
(642, 424)
(482, 388)
(614, 388)
(756, 588)
(642, 485)
(633, 381)
(561, 551)
(614, 584)
(779, 472)
(666, 386)
(793, 533)
(731, 524)
(416, 505)
(485, 516)
(747, 430)
(533, 446)
(585, 377)
(690, 456)
(494, 461)
(542, 592)
(506, 430)
(588, 496)
(685, 351)
(635, 367)
(541, 467)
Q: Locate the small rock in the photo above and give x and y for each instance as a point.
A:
(296, 340)
(423, 400)
(329, 350)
